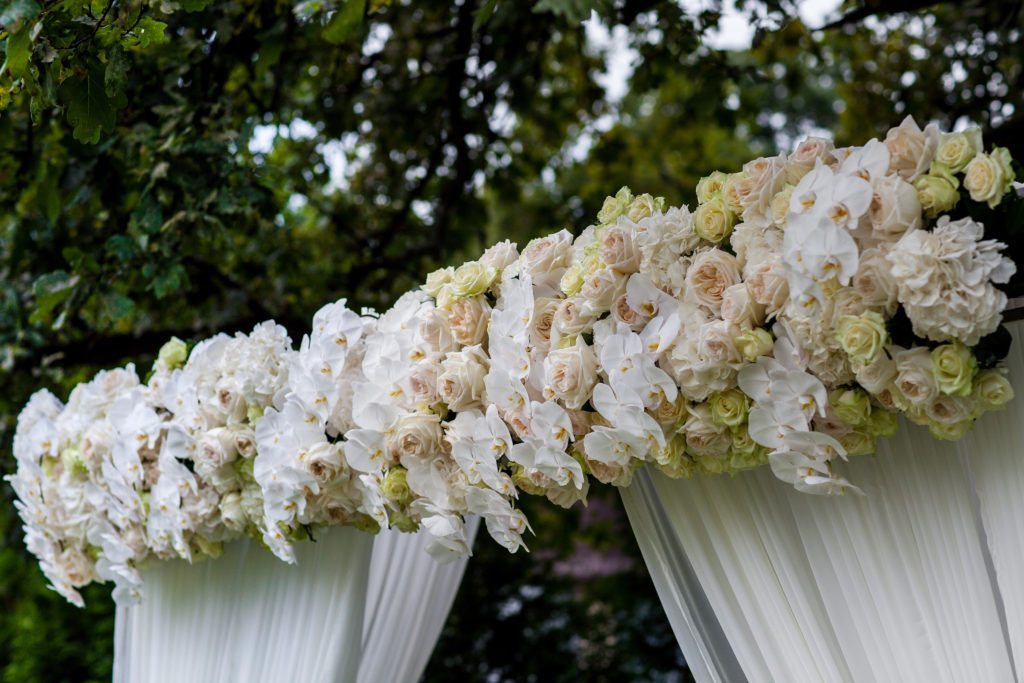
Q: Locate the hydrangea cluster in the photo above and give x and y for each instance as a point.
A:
(760, 328)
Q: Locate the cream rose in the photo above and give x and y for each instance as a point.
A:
(601, 289)
(570, 319)
(806, 156)
(878, 375)
(862, 337)
(711, 272)
(461, 383)
(468, 319)
(911, 150)
(760, 181)
(644, 206)
(713, 221)
(325, 461)
(739, 306)
(992, 390)
(423, 378)
(895, 207)
(472, 278)
(571, 374)
(949, 410)
(623, 313)
(546, 254)
(989, 176)
(954, 366)
(769, 286)
(436, 331)
(544, 309)
(710, 186)
(716, 343)
(417, 435)
(957, 149)
(500, 256)
(914, 379)
(617, 248)
(436, 280)
(873, 281)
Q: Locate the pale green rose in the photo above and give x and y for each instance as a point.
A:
(989, 176)
(882, 423)
(857, 442)
(673, 460)
(729, 408)
(643, 206)
(438, 279)
(471, 279)
(754, 343)
(253, 412)
(949, 432)
(852, 406)
(710, 186)
(954, 366)
(615, 206)
(862, 337)
(713, 221)
(956, 150)
(365, 523)
(745, 452)
(402, 522)
(712, 464)
(937, 191)
(992, 390)
(211, 549)
(572, 280)
(394, 487)
(780, 205)
(172, 354)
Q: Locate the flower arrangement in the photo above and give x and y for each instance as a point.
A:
(807, 302)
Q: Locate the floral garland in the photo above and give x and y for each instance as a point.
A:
(807, 302)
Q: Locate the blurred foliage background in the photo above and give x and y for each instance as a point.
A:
(183, 167)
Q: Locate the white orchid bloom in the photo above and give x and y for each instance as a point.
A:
(868, 162)
(817, 247)
(644, 297)
(842, 199)
(544, 449)
(505, 524)
(486, 439)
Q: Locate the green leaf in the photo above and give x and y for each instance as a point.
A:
(19, 49)
(89, 110)
(121, 247)
(116, 76)
(49, 291)
(573, 10)
(115, 307)
(18, 11)
(345, 23)
(195, 5)
(150, 32)
(484, 14)
(168, 282)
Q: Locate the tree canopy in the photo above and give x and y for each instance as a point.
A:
(184, 167)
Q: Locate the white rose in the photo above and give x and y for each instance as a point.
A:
(325, 461)
(423, 381)
(416, 436)
(461, 383)
(806, 156)
(217, 447)
(618, 250)
(957, 149)
(546, 254)
(232, 513)
(739, 307)
(716, 343)
(436, 280)
(601, 289)
(769, 286)
(895, 207)
(914, 378)
(436, 331)
(244, 440)
(571, 374)
(877, 375)
(911, 150)
(711, 272)
(571, 318)
(500, 256)
(468, 319)
(544, 309)
(873, 280)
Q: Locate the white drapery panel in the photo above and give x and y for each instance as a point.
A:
(409, 597)
(246, 617)
(995, 452)
(894, 586)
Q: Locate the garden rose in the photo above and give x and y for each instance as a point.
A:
(911, 150)
(989, 176)
(711, 272)
(472, 278)
(617, 249)
(571, 374)
(468, 319)
(461, 383)
(914, 378)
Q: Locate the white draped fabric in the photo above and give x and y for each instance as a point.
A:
(899, 585)
(409, 597)
(248, 617)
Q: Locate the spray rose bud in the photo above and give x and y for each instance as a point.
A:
(172, 354)
(713, 221)
(754, 343)
(394, 487)
(954, 366)
(710, 186)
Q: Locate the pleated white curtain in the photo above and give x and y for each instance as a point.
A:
(921, 580)
(409, 597)
(248, 617)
